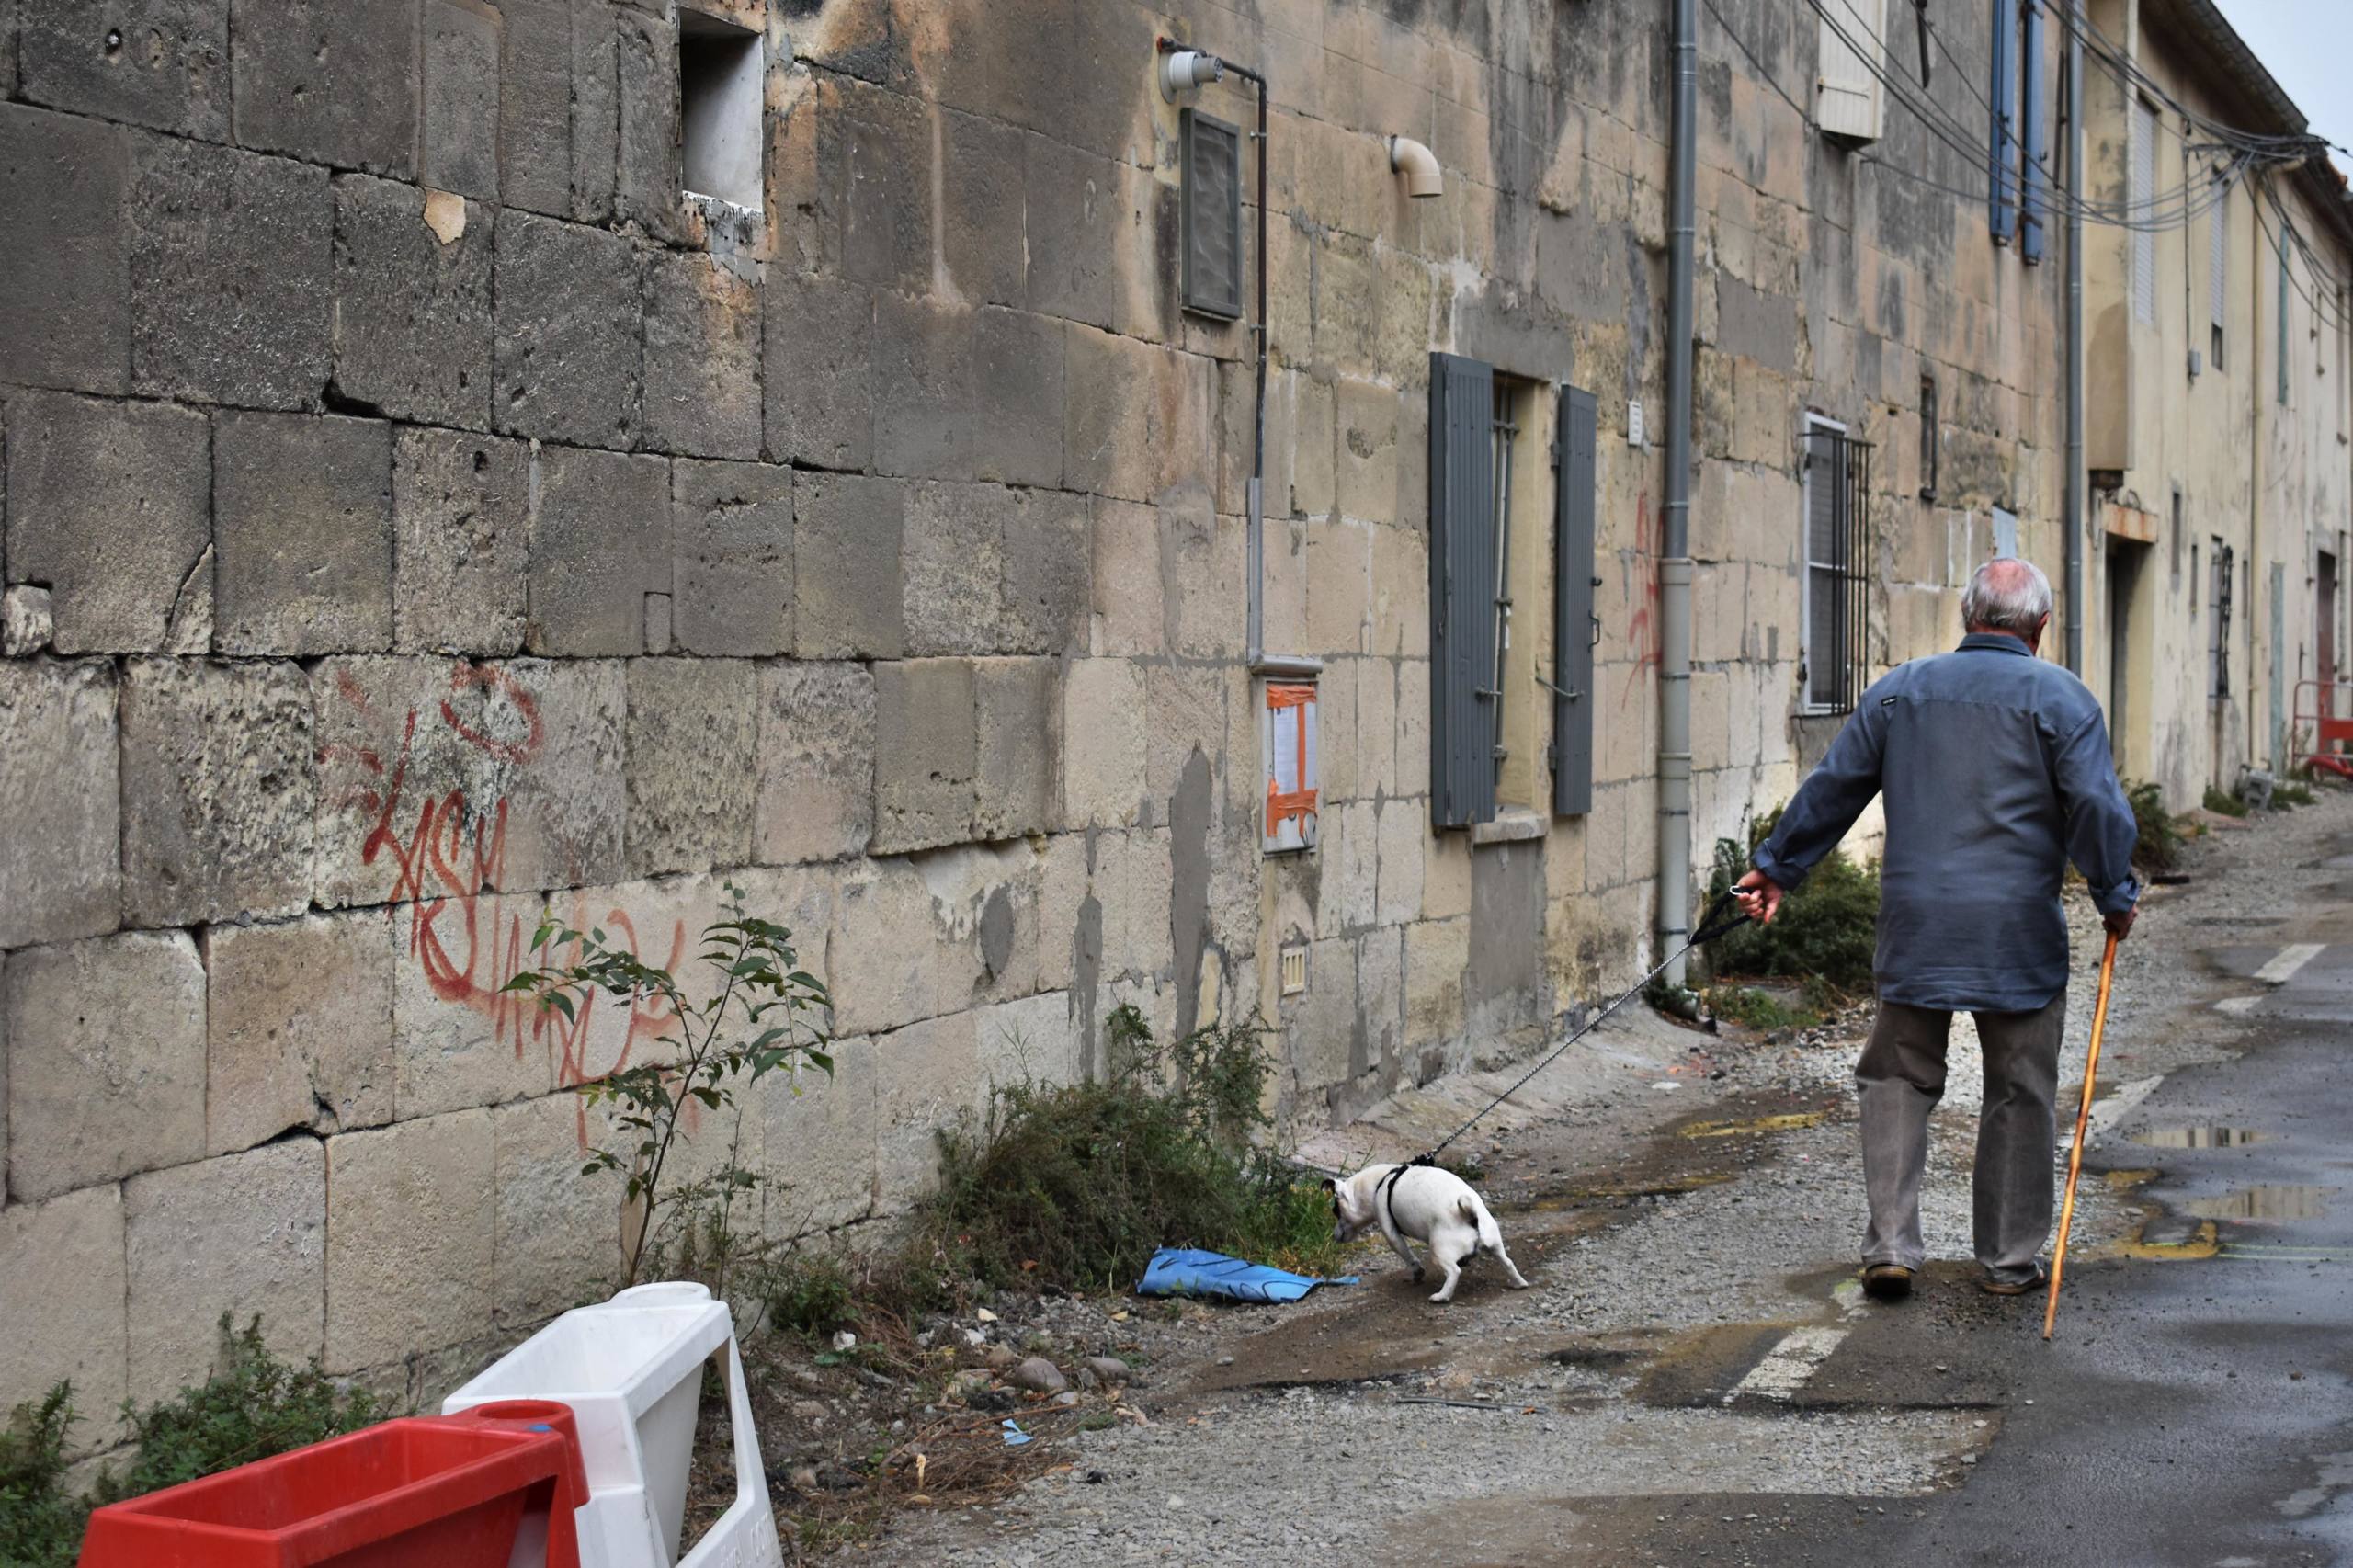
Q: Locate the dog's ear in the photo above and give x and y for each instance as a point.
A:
(1331, 1184)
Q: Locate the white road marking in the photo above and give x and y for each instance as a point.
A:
(2236, 1005)
(2287, 962)
(2113, 1106)
(1787, 1365)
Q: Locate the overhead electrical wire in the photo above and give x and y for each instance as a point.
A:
(2119, 62)
(2048, 196)
(2173, 208)
(2176, 208)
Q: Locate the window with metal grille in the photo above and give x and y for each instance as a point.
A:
(2218, 272)
(1210, 214)
(2144, 191)
(1500, 584)
(2218, 620)
(1837, 569)
(1931, 443)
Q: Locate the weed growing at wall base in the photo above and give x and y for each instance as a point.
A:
(1076, 1185)
(2158, 844)
(252, 1406)
(41, 1522)
(760, 1017)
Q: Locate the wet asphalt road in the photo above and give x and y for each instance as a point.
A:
(1696, 1379)
(2193, 1406)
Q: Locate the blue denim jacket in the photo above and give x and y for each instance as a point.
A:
(1997, 772)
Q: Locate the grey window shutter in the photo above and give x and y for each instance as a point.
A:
(1572, 619)
(1462, 573)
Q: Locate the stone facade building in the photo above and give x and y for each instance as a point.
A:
(2219, 371)
(464, 458)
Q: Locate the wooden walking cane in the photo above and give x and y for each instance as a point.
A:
(2083, 1119)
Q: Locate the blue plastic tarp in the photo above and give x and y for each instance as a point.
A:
(1186, 1271)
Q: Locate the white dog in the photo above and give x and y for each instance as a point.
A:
(1434, 1206)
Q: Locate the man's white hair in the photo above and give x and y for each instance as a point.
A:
(2007, 594)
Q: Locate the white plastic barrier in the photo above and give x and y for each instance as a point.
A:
(632, 1370)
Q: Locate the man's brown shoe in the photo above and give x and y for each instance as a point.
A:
(1994, 1287)
(1887, 1281)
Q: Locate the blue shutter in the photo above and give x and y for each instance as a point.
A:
(2034, 140)
(1572, 619)
(1462, 577)
(2002, 159)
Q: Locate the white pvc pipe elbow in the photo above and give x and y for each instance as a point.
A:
(1418, 165)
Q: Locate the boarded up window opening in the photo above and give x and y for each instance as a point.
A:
(1837, 575)
(1289, 744)
(721, 94)
(1211, 214)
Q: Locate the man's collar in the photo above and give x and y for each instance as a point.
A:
(1998, 641)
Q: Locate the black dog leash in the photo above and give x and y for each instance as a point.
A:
(1723, 915)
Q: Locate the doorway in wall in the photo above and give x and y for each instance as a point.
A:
(2325, 630)
(2129, 625)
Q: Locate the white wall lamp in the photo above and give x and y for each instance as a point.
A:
(1418, 165)
(1183, 70)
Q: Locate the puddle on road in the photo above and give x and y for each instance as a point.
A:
(2199, 1137)
(2161, 1241)
(2332, 1474)
(2280, 1202)
(1761, 1124)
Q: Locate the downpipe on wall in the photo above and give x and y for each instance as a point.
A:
(2077, 477)
(1255, 488)
(1675, 564)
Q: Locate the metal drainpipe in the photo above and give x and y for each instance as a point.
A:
(2077, 478)
(1256, 489)
(1675, 565)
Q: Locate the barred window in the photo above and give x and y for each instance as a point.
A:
(1837, 569)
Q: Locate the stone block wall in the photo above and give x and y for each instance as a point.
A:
(419, 514)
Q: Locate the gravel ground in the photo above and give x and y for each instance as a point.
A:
(1730, 1242)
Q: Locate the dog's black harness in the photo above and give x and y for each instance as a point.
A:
(1387, 1191)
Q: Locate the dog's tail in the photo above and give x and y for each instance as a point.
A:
(1474, 1213)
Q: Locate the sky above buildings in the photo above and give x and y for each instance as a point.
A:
(2306, 45)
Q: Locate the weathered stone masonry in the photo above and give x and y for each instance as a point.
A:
(417, 512)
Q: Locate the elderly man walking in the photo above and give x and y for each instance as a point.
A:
(1996, 770)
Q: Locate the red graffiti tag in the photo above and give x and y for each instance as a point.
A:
(1640, 580)
(453, 854)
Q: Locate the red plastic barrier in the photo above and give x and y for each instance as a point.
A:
(453, 1492)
